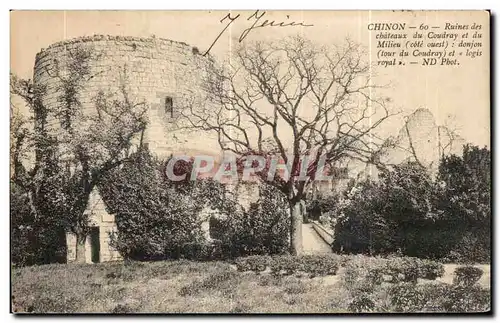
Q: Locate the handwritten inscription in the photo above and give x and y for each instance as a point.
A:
(258, 21)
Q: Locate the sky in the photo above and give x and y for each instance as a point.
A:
(458, 96)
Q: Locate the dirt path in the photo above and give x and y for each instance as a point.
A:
(312, 242)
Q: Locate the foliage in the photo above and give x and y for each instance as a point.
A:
(467, 299)
(248, 97)
(313, 265)
(361, 304)
(74, 156)
(384, 216)
(222, 282)
(263, 229)
(429, 269)
(406, 297)
(34, 240)
(410, 212)
(467, 275)
(156, 218)
(285, 265)
(253, 263)
(318, 207)
(319, 265)
(465, 200)
(215, 287)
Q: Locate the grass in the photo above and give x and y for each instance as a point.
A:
(180, 287)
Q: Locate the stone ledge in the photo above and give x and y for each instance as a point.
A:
(98, 38)
(324, 233)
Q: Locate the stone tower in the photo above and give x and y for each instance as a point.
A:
(162, 73)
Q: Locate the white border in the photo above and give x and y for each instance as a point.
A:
(156, 5)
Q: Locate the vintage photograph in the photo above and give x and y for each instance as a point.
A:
(250, 162)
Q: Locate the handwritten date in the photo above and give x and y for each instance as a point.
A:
(258, 22)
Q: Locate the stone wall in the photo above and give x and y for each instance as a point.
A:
(151, 69)
(106, 223)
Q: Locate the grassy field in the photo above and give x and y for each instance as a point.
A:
(183, 287)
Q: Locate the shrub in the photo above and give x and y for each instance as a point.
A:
(253, 263)
(284, 265)
(296, 287)
(409, 210)
(374, 277)
(363, 275)
(467, 299)
(406, 297)
(155, 217)
(261, 230)
(439, 297)
(361, 304)
(224, 282)
(436, 294)
(402, 269)
(34, 240)
(467, 275)
(319, 265)
(465, 202)
(429, 269)
(358, 280)
(409, 269)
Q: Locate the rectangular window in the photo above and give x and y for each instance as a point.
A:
(169, 106)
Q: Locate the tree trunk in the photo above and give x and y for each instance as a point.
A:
(80, 248)
(32, 204)
(303, 210)
(296, 228)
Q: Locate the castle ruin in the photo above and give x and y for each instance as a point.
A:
(159, 71)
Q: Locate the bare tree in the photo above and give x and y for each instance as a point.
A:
(81, 147)
(292, 98)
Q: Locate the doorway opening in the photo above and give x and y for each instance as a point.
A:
(95, 244)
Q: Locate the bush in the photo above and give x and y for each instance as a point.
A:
(158, 219)
(319, 265)
(409, 269)
(439, 297)
(467, 299)
(34, 240)
(155, 217)
(429, 269)
(314, 265)
(361, 278)
(403, 268)
(465, 201)
(406, 297)
(467, 275)
(296, 287)
(253, 263)
(408, 210)
(224, 282)
(361, 304)
(285, 265)
(262, 230)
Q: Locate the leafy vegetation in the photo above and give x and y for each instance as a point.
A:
(193, 287)
(409, 212)
(467, 275)
(263, 229)
(69, 160)
(156, 218)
